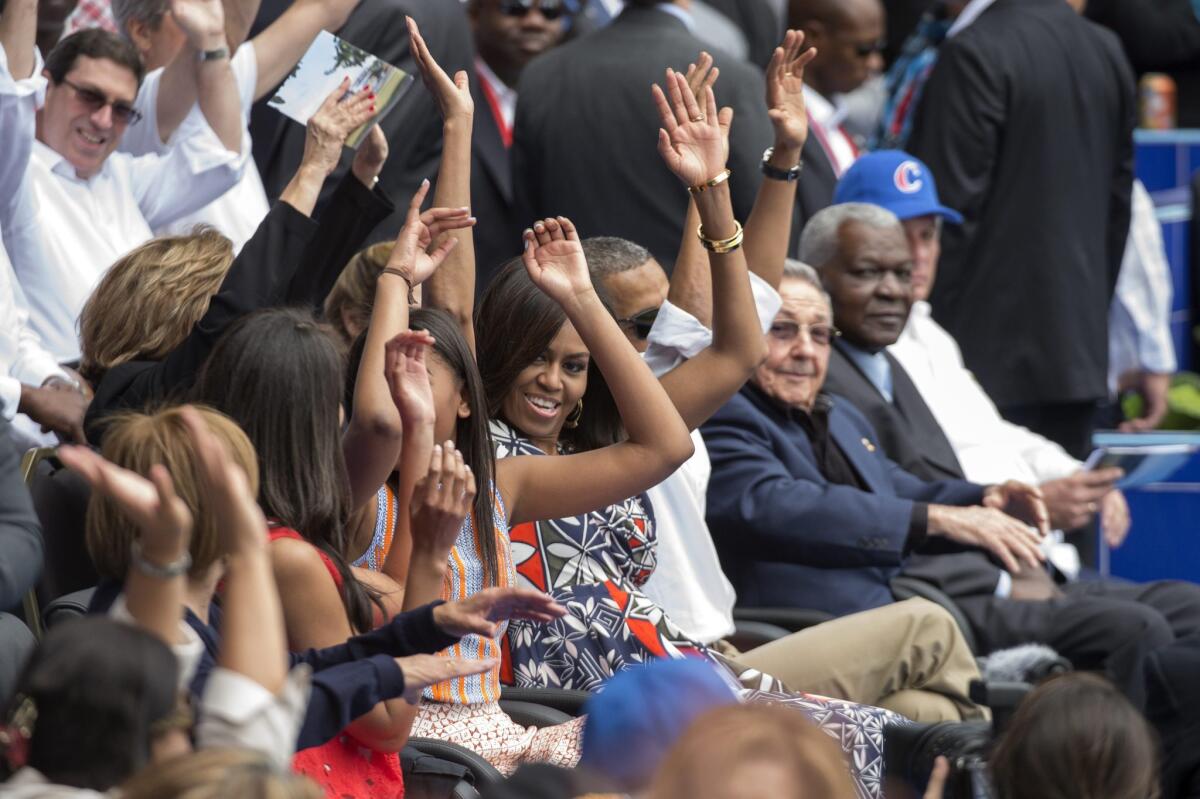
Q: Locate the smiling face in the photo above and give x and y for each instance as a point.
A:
(794, 370)
(925, 244)
(870, 282)
(67, 125)
(547, 391)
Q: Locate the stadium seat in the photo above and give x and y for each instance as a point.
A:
(480, 772)
(564, 701)
(531, 714)
(67, 607)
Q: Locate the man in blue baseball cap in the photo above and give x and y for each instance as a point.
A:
(988, 448)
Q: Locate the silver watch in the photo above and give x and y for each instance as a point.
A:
(171, 570)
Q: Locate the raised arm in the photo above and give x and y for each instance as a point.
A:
(694, 145)
(281, 46)
(453, 287)
(769, 227)
(658, 441)
(372, 440)
(211, 80)
(18, 32)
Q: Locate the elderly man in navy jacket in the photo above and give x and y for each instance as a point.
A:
(806, 509)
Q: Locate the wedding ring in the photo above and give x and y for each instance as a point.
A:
(698, 118)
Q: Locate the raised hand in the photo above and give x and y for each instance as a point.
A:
(422, 671)
(691, 141)
(412, 255)
(1021, 501)
(442, 500)
(785, 91)
(162, 517)
(554, 260)
(408, 377)
(371, 156)
(327, 129)
(238, 516)
(453, 96)
(703, 75)
(480, 612)
(202, 21)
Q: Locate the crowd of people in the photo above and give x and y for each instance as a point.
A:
(557, 384)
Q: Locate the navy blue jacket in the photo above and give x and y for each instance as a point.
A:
(789, 538)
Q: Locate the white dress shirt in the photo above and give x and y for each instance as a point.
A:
(23, 359)
(990, 449)
(63, 232)
(236, 213)
(506, 97)
(688, 582)
(1139, 320)
(826, 117)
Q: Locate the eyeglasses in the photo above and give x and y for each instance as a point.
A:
(787, 332)
(123, 113)
(551, 9)
(641, 322)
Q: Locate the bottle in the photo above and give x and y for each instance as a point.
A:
(1156, 101)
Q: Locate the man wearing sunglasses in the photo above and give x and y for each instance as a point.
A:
(508, 35)
(849, 38)
(78, 206)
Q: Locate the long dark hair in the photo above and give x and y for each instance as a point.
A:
(514, 324)
(278, 374)
(472, 436)
(97, 687)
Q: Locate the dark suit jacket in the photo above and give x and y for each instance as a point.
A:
(498, 231)
(907, 429)
(911, 436)
(814, 190)
(585, 141)
(786, 536)
(290, 260)
(759, 22)
(413, 127)
(1026, 123)
(20, 532)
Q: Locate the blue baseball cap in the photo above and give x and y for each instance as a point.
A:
(896, 181)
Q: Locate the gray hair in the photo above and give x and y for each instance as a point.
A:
(610, 255)
(819, 241)
(798, 270)
(148, 11)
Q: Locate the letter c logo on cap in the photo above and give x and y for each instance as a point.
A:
(907, 177)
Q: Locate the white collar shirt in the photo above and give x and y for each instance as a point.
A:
(506, 97)
(236, 213)
(827, 117)
(990, 449)
(688, 582)
(63, 232)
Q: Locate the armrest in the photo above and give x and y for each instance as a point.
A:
(790, 619)
(909, 587)
(560, 699)
(67, 607)
(530, 714)
(749, 635)
(483, 774)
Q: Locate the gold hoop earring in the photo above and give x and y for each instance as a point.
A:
(573, 420)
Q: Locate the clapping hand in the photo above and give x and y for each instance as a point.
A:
(164, 521)
(327, 129)
(453, 96)
(691, 141)
(408, 377)
(480, 612)
(785, 91)
(412, 254)
(442, 500)
(238, 516)
(554, 260)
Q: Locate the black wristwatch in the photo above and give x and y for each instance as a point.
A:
(775, 173)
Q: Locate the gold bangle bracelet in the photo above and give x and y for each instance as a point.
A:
(722, 246)
(708, 184)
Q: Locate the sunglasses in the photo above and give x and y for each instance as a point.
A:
(641, 322)
(123, 113)
(551, 9)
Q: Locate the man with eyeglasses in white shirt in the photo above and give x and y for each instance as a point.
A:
(78, 206)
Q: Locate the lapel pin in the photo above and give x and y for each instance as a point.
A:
(867, 443)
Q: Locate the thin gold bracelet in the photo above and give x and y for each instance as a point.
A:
(722, 246)
(709, 184)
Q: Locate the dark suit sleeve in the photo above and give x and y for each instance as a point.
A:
(257, 279)
(755, 501)
(1120, 199)
(934, 492)
(956, 130)
(20, 532)
(1156, 34)
(353, 213)
(411, 633)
